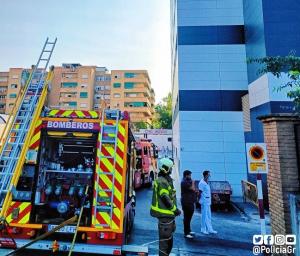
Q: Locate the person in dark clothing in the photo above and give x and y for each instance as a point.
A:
(188, 199)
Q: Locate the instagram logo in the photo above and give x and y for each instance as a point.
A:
(279, 239)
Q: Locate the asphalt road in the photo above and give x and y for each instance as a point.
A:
(234, 233)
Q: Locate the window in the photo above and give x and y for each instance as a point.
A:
(2, 96)
(129, 75)
(3, 79)
(117, 85)
(69, 85)
(135, 104)
(107, 87)
(117, 95)
(84, 85)
(13, 95)
(107, 96)
(68, 75)
(73, 103)
(84, 76)
(117, 76)
(128, 85)
(169, 139)
(13, 86)
(11, 104)
(15, 76)
(99, 88)
(83, 105)
(131, 95)
(83, 95)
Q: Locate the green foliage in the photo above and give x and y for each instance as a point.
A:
(140, 125)
(163, 113)
(277, 65)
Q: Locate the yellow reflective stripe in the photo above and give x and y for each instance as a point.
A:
(174, 208)
(79, 113)
(93, 114)
(164, 191)
(154, 208)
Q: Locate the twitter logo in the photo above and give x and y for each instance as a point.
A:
(258, 239)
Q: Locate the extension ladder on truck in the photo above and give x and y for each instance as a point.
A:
(24, 116)
(108, 137)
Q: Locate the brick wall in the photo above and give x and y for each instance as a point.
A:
(283, 176)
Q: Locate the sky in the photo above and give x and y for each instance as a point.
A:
(117, 34)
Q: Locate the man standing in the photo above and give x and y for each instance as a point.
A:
(205, 201)
(188, 199)
(164, 206)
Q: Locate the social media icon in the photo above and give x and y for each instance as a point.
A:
(258, 239)
(279, 239)
(268, 239)
(290, 239)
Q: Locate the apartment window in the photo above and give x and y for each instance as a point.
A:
(15, 76)
(135, 104)
(83, 95)
(129, 75)
(117, 85)
(117, 76)
(2, 96)
(73, 103)
(128, 85)
(99, 88)
(3, 79)
(107, 96)
(13, 86)
(67, 75)
(83, 105)
(69, 84)
(117, 95)
(11, 104)
(107, 87)
(13, 95)
(84, 76)
(84, 85)
(132, 95)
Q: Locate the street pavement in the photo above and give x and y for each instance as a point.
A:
(235, 230)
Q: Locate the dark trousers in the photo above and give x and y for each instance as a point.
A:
(166, 228)
(188, 211)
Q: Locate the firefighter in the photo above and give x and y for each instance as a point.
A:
(164, 206)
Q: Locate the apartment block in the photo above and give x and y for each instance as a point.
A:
(131, 91)
(102, 88)
(13, 88)
(3, 90)
(73, 87)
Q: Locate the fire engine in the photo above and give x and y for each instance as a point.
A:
(65, 175)
(146, 155)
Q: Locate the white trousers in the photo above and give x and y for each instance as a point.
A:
(206, 218)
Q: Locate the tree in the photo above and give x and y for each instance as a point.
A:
(289, 65)
(140, 125)
(163, 113)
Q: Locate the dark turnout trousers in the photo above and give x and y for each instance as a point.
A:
(166, 228)
(188, 211)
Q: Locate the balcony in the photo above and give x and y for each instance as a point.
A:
(144, 110)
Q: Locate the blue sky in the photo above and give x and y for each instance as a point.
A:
(118, 34)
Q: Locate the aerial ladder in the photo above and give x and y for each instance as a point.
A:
(19, 131)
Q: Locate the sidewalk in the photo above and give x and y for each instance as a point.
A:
(234, 236)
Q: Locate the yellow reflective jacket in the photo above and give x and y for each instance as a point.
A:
(163, 198)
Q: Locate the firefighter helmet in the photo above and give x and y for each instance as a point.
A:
(165, 165)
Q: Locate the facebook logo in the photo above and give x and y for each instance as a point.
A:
(268, 239)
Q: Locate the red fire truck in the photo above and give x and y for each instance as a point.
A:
(146, 155)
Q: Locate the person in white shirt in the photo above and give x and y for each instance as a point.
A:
(205, 201)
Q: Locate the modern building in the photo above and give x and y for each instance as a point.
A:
(3, 90)
(209, 77)
(217, 95)
(13, 88)
(102, 88)
(73, 87)
(88, 87)
(131, 91)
